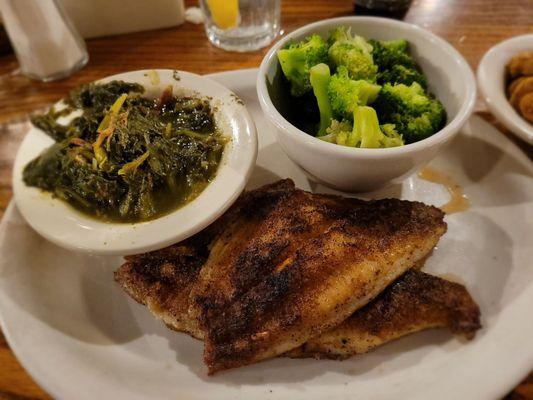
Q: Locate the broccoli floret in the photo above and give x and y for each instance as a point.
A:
(297, 58)
(354, 52)
(365, 131)
(401, 74)
(427, 123)
(320, 77)
(391, 137)
(412, 95)
(416, 114)
(344, 34)
(337, 132)
(339, 126)
(346, 94)
(386, 54)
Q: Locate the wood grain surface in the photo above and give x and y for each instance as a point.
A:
(472, 26)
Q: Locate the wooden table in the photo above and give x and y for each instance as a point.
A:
(472, 26)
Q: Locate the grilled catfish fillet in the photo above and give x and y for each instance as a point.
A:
(162, 280)
(286, 265)
(301, 268)
(414, 302)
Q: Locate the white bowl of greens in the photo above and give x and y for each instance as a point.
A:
(135, 170)
(360, 102)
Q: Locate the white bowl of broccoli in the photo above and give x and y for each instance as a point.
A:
(360, 102)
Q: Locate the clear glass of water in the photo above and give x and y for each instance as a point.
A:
(241, 25)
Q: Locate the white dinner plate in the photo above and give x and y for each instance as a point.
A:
(81, 337)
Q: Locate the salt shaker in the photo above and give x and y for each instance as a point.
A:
(47, 45)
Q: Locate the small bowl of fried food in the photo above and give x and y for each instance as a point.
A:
(505, 78)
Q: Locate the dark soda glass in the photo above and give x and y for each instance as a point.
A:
(383, 8)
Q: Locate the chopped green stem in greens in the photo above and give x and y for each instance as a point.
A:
(132, 166)
(192, 134)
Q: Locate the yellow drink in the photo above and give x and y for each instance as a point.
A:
(241, 25)
(225, 13)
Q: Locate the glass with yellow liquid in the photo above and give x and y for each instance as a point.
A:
(241, 25)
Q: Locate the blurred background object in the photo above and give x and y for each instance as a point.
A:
(47, 45)
(95, 18)
(194, 15)
(5, 46)
(384, 8)
(241, 25)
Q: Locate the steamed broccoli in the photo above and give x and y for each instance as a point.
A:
(386, 54)
(346, 94)
(337, 132)
(401, 74)
(391, 137)
(365, 131)
(395, 63)
(334, 82)
(320, 78)
(344, 34)
(353, 52)
(415, 114)
(297, 58)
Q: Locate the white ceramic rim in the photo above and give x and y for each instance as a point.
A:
(443, 135)
(83, 233)
(494, 96)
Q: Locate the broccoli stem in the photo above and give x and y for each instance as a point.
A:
(320, 77)
(366, 129)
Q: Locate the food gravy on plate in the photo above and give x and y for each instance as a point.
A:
(458, 200)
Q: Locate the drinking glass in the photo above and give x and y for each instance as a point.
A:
(241, 25)
(382, 8)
